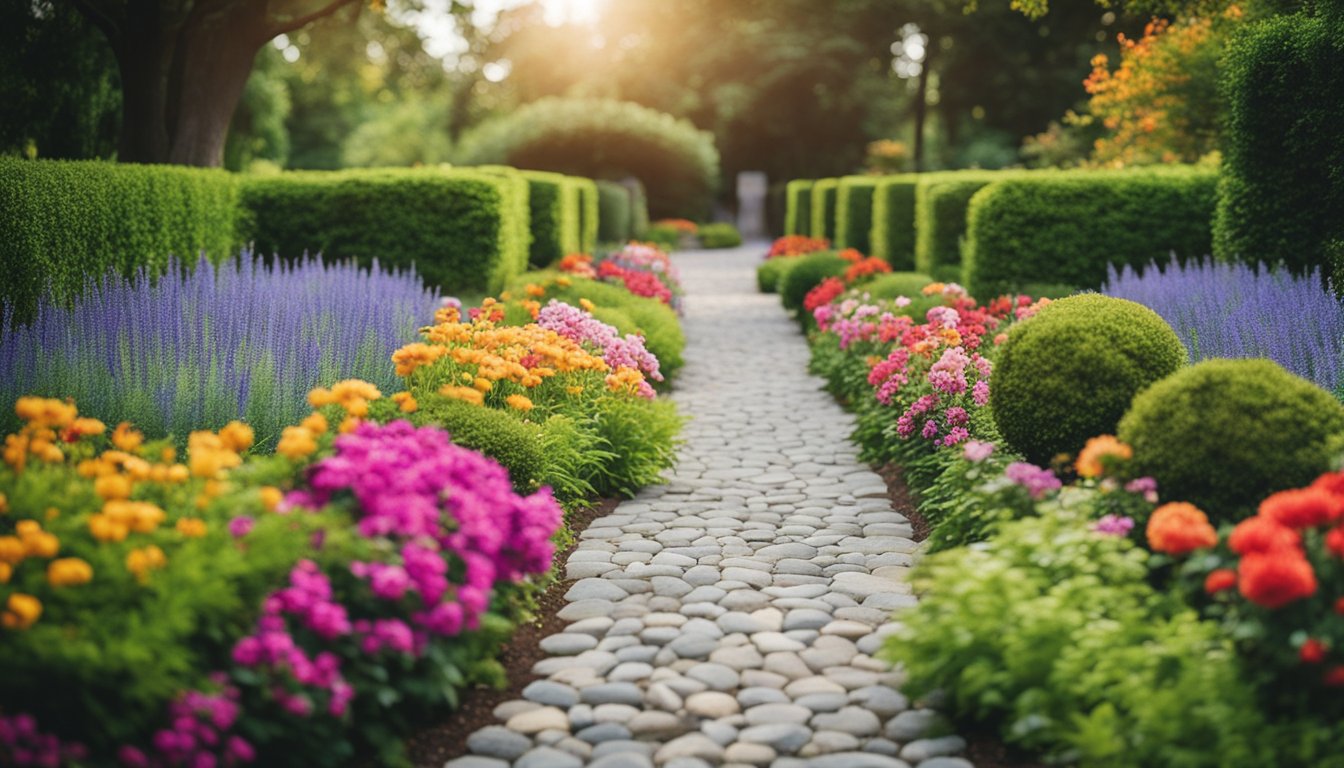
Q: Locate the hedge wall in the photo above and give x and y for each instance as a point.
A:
(554, 213)
(941, 200)
(1282, 191)
(62, 222)
(614, 216)
(589, 214)
(1066, 227)
(455, 226)
(798, 207)
(824, 194)
(639, 209)
(521, 200)
(893, 231)
(854, 213)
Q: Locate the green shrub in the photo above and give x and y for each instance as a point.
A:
(770, 273)
(1067, 227)
(62, 223)
(589, 215)
(798, 207)
(1282, 188)
(824, 194)
(1070, 372)
(854, 213)
(941, 202)
(495, 433)
(719, 235)
(456, 227)
(614, 218)
(893, 232)
(806, 274)
(890, 286)
(602, 138)
(520, 193)
(641, 436)
(1224, 434)
(667, 238)
(639, 209)
(554, 209)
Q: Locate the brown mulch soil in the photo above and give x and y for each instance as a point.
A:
(437, 744)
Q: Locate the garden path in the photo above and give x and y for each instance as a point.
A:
(729, 617)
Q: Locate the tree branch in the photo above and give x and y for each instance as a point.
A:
(101, 18)
(281, 27)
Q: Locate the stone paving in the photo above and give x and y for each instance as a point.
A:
(730, 617)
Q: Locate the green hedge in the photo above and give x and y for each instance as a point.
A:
(719, 235)
(1067, 227)
(824, 194)
(589, 214)
(454, 226)
(614, 218)
(893, 232)
(798, 207)
(553, 208)
(602, 138)
(941, 202)
(639, 209)
(520, 194)
(62, 223)
(1282, 189)
(854, 213)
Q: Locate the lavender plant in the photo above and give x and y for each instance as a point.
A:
(1236, 310)
(196, 348)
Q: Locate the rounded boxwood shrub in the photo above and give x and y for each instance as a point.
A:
(1224, 434)
(909, 284)
(495, 433)
(771, 272)
(806, 274)
(719, 235)
(1070, 372)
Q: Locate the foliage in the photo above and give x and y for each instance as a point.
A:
(798, 213)
(199, 348)
(409, 132)
(641, 438)
(615, 217)
(1224, 433)
(854, 213)
(65, 223)
(770, 273)
(458, 228)
(664, 237)
(893, 233)
(941, 203)
(1281, 187)
(604, 139)
(824, 195)
(644, 269)
(554, 209)
(1070, 373)
(806, 274)
(720, 235)
(1236, 310)
(496, 433)
(589, 213)
(886, 156)
(1049, 226)
(896, 284)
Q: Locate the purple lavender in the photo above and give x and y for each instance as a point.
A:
(194, 350)
(1236, 310)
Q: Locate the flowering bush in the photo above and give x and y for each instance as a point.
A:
(797, 245)
(643, 268)
(684, 226)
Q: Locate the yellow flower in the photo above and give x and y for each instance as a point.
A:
(12, 550)
(271, 497)
(315, 423)
(296, 443)
(348, 424)
(47, 452)
(45, 411)
(534, 290)
(466, 394)
(1091, 460)
(933, 288)
(105, 528)
(191, 527)
(69, 572)
(237, 436)
(22, 611)
(6, 570)
(208, 454)
(574, 390)
(519, 402)
(140, 561)
(37, 542)
(4, 504)
(85, 426)
(112, 487)
(563, 282)
(406, 402)
(416, 355)
(587, 305)
(482, 384)
(126, 438)
(52, 513)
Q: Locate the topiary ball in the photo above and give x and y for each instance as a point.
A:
(1070, 372)
(771, 273)
(1224, 434)
(807, 274)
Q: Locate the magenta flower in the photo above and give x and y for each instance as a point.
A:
(1038, 482)
(977, 451)
(1114, 525)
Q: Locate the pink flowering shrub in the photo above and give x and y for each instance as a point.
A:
(617, 351)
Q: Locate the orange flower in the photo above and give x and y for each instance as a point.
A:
(466, 394)
(237, 436)
(405, 402)
(1274, 579)
(191, 527)
(1178, 528)
(1302, 508)
(126, 438)
(69, 572)
(21, 611)
(1220, 580)
(519, 402)
(271, 497)
(296, 443)
(315, 423)
(140, 561)
(1092, 459)
(105, 528)
(12, 550)
(411, 357)
(112, 487)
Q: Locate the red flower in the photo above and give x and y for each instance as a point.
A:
(823, 294)
(1334, 541)
(852, 255)
(1335, 676)
(1274, 579)
(1262, 535)
(1312, 651)
(1339, 606)
(1330, 482)
(1219, 580)
(1302, 508)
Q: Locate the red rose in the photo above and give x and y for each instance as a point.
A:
(1274, 579)
(1330, 482)
(1262, 535)
(1335, 676)
(1334, 541)
(1312, 651)
(1219, 580)
(1302, 508)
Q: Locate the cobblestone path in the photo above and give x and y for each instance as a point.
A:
(729, 617)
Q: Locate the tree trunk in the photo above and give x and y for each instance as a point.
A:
(214, 59)
(144, 55)
(922, 107)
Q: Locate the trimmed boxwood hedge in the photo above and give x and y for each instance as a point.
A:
(1067, 227)
(854, 213)
(941, 202)
(589, 214)
(1282, 188)
(893, 231)
(798, 207)
(554, 204)
(62, 223)
(455, 226)
(824, 194)
(614, 217)
(806, 273)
